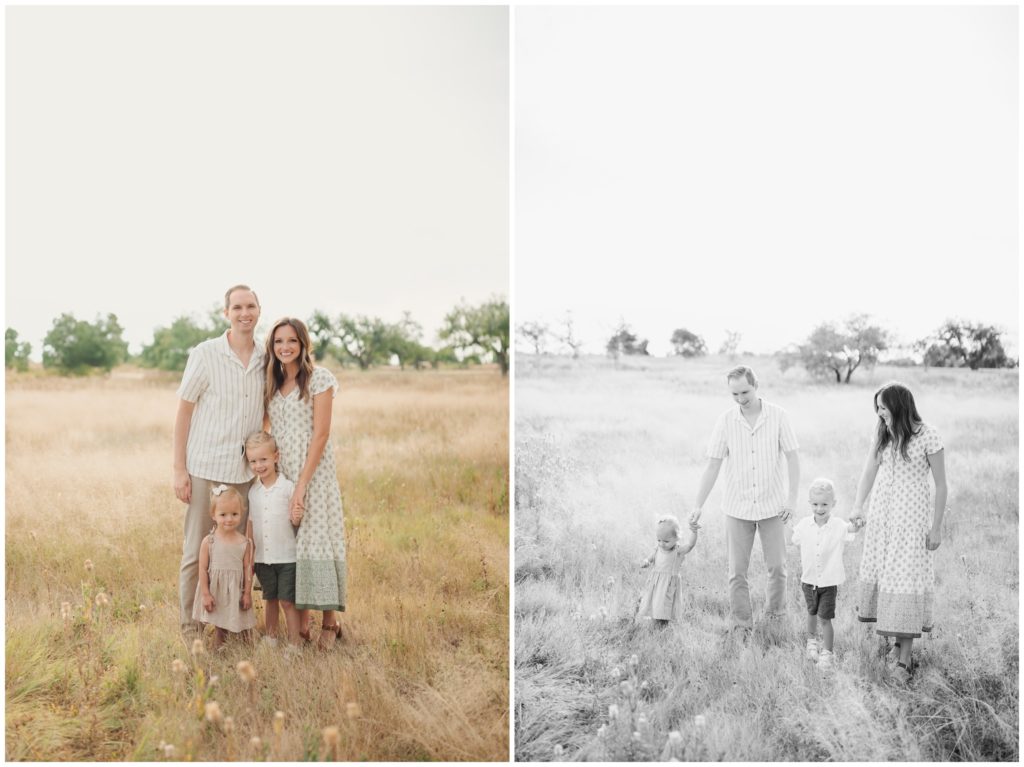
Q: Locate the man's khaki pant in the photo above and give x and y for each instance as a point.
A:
(739, 534)
(198, 524)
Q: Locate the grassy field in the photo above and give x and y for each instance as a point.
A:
(422, 673)
(603, 449)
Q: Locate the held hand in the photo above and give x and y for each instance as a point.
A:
(785, 514)
(182, 486)
(695, 517)
(857, 517)
(295, 515)
(298, 500)
(933, 540)
(208, 603)
(695, 527)
(645, 563)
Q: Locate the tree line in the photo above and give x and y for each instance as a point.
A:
(832, 351)
(469, 335)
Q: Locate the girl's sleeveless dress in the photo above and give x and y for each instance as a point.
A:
(226, 580)
(897, 577)
(661, 594)
(320, 571)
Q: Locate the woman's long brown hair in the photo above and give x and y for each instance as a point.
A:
(274, 370)
(906, 421)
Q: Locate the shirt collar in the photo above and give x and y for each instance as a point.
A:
(272, 488)
(738, 413)
(225, 348)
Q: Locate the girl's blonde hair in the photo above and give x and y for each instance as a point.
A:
(219, 492)
(672, 521)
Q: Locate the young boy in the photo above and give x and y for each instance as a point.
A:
(821, 538)
(272, 529)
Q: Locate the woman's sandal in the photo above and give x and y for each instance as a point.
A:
(901, 674)
(329, 635)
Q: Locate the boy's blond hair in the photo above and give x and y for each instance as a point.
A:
(822, 485)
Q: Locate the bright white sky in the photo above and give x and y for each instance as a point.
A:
(765, 169)
(342, 158)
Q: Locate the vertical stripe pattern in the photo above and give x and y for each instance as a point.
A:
(228, 408)
(755, 466)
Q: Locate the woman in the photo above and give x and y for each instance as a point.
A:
(904, 523)
(298, 401)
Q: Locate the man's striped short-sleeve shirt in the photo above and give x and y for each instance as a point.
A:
(228, 401)
(755, 469)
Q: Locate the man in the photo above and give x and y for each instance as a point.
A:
(221, 403)
(754, 437)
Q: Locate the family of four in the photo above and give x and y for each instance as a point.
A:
(903, 523)
(253, 455)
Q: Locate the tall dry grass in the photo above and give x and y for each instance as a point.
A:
(602, 449)
(422, 672)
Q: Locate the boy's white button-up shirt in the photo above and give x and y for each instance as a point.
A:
(228, 400)
(755, 472)
(821, 550)
(271, 528)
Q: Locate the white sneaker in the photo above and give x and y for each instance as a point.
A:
(268, 641)
(826, 660)
(812, 649)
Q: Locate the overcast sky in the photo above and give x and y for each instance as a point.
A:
(764, 169)
(343, 158)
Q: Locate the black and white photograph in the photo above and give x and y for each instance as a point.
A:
(766, 383)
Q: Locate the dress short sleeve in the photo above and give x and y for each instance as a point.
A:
(322, 380)
(930, 440)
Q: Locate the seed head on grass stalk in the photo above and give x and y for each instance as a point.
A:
(332, 738)
(213, 713)
(278, 726)
(673, 750)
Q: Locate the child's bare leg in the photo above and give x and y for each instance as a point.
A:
(305, 620)
(219, 637)
(812, 626)
(270, 617)
(293, 621)
(827, 633)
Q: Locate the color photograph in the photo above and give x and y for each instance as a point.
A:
(766, 384)
(257, 390)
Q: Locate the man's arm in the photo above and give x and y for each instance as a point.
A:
(793, 462)
(707, 482)
(182, 424)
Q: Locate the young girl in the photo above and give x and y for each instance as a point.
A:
(661, 599)
(904, 523)
(224, 593)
